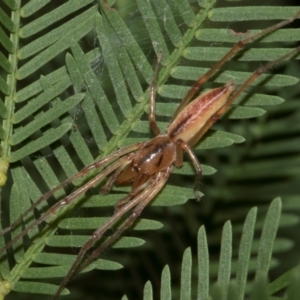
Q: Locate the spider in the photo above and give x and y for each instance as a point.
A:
(146, 166)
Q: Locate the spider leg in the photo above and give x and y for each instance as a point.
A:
(152, 121)
(112, 179)
(254, 76)
(139, 202)
(130, 196)
(129, 221)
(84, 171)
(104, 2)
(236, 48)
(68, 199)
(196, 164)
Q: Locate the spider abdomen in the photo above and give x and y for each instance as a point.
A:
(193, 118)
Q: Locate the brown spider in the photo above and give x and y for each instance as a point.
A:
(146, 166)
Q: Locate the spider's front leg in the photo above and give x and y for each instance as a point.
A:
(156, 183)
(70, 198)
(96, 165)
(137, 204)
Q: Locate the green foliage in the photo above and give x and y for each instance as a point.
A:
(74, 83)
(231, 280)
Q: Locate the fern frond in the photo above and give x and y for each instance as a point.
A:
(74, 83)
(233, 281)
